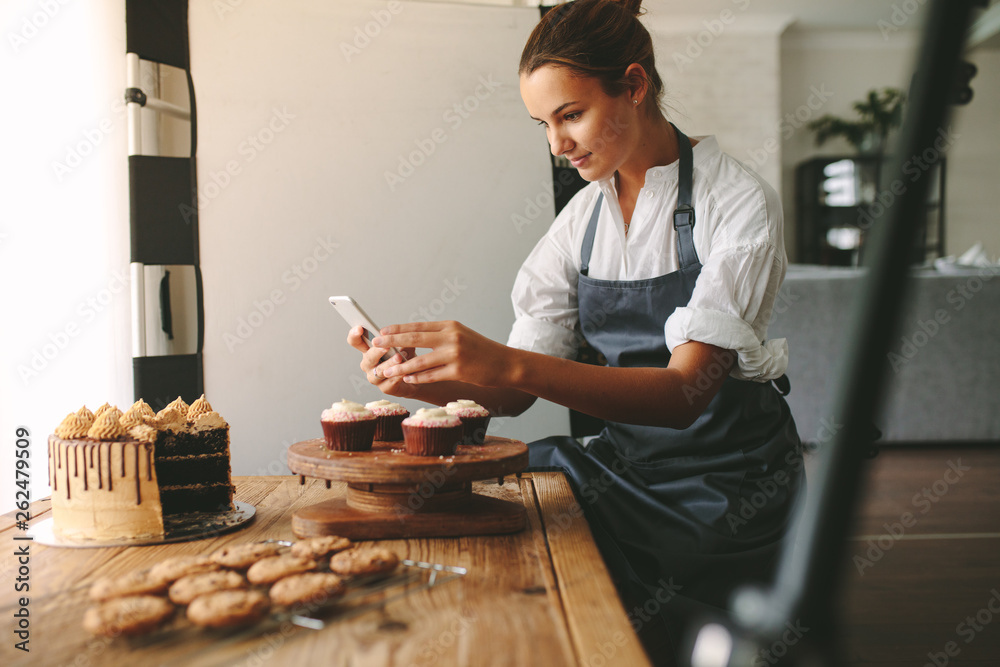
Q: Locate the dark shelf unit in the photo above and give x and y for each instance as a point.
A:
(840, 198)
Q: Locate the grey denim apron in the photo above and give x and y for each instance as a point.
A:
(705, 507)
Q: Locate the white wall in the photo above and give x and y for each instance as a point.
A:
(722, 76)
(64, 246)
(844, 65)
(974, 163)
(295, 137)
(847, 64)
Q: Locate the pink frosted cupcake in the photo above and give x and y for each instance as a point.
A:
(432, 432)
(389, 418)
(348, 427)
(475, 419)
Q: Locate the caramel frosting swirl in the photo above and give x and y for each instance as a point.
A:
(142, 408)
(199, 407)
(208, 421)
(73, 427)
(101, 410)
(131, 419)
(179, 405)
(113, 411)
(171, 419)
(106, 427)
(143, 433)
(140, 413)
(86, 415)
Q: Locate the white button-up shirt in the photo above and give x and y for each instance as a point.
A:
(738, 238)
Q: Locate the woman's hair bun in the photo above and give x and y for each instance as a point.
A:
(633, 6)
(599, 39)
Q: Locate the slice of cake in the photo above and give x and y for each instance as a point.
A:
(192, 458)
(116, 475)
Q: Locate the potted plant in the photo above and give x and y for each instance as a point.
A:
(878, 113)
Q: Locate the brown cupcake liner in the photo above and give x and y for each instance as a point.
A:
(474, 430)
(352, 436)
(432, 440)
(390, 427)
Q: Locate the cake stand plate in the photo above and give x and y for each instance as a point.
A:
(395, 495)
(177, 528)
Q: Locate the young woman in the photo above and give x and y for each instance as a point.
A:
(668, 264)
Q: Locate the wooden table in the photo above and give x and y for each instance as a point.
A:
(539, 597)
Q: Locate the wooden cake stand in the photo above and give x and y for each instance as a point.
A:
(394, 495)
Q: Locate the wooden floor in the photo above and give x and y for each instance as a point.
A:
(930, 595)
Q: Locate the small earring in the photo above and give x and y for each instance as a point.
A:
(635, 101)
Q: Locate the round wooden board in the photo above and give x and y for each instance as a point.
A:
(388, 463)
(480, 515)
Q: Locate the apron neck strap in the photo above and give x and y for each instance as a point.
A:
(683, 214)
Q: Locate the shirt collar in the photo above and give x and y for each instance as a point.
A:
(706, 147)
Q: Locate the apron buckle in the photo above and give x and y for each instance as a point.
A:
(683, 216)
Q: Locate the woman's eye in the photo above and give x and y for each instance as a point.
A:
(542, 123)
(573, 116)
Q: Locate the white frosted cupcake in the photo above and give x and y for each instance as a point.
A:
(348, 427)
(389, 418)
(475, 420)
(432, 432)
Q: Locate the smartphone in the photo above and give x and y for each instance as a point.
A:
(356, 317)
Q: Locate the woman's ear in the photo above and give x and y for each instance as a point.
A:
(638, 83)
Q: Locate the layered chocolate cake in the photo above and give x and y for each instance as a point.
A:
(116, 475)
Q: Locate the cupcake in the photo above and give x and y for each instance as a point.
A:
(348, 427)
(389, 418)
(432, 432)
(475, 418)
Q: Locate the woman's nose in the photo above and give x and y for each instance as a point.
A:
(559, 142)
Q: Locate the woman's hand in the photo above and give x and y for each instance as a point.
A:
(374, 368)
(457, 353)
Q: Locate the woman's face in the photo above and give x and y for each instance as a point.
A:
(582, 122)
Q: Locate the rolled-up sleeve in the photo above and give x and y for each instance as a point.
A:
(544, 297)
(730, 307)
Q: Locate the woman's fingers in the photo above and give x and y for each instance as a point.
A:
(356, 339)
(416, 334)
(410, 340)
(418, 364)
(410, 327)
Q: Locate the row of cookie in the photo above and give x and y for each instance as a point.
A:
(219, 597)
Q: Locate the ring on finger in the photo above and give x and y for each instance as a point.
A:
(375, 372)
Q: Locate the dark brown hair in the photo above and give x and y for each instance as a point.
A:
(596, 38)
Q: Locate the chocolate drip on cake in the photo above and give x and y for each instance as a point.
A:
(149, 462)
(100, 475)
(123, 459)
(67, 474)
(89, 453)
(76, 463)
(85, 485)
(138, 490)
(110, 475)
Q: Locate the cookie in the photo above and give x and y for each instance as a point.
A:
(217, 610)
(305, 588)
(173, 569)
(133, 583)
(374, 560)
(188, 588)
(242, 556)
(317, 547)
(269, 570)
(131, 615)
